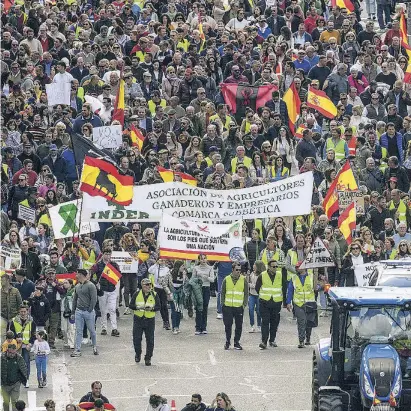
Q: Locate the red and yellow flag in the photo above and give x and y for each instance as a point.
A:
(137, 137)
(85, 406)
(293, 103)
(200, 29)
(187, 178)
(111, 274)
(299, 131)
(403, 28)
(318, 100)
(407, 74)
(168, 176)
(347, 222)
(118, 113)
(66, 276)
(102, 178)
(407, 49)
(343, 4)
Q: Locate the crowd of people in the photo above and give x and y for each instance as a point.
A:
(173, 57)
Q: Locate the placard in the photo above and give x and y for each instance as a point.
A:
(288, 197)
(27, 214)
(318, 256)
(126, 261)
(345, 198)
(10, 258)
(58, 93)
(363, 273)
(108, 136)
(181, 243)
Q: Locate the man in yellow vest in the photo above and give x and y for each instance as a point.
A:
(144, 303)
(300, 294)
(234, 297)
(269, 286)
(25, 332)
(271, 252)
(398, 208)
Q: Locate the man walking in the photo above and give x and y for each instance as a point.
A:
(301, 293)
(269, 286)
(13, 374)
(234, 297)
(145, 303)
(84, 301)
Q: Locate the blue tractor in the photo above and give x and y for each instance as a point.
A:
(365, 365)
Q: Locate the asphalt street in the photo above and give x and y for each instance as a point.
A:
(274, 379)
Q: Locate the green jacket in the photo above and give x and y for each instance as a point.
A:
(13, 369)
(10, 303)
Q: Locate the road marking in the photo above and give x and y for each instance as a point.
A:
(32, 401)
(212, 358)
(147, 389)
(62, 389)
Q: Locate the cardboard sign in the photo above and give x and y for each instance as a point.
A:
(27, 214)
(126, 261)
(58, 94)
(345, 198)
(318, 256)
(107, 136)
(10, 258)
(363, 273)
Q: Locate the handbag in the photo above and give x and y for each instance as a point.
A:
(311, 314)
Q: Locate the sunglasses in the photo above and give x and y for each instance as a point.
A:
(355, 248)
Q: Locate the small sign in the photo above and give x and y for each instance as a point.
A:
(345, 198)
(27, 214)
(318, 256)
(108, 136)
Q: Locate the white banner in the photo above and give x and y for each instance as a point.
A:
(288, 197)
(10, 258)
(58, 93)
(177, 241)
(27, 214)
(108, 136)
(65, 219)
(318, 256)
(126, 261)
(363, 273)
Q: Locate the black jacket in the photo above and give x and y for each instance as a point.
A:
(403, 183)
(97, 269)
(31, 263)
(188, 91)
(89, 398)
(40, 310)
(347, 276)
(252, 250)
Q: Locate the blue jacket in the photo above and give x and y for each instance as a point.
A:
(26, 288)
(398, 136)
(68, 155)
(95, 121)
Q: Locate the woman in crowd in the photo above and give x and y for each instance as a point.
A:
(354, 257)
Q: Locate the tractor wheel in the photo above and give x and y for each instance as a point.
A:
(314, 384)
(331, 403)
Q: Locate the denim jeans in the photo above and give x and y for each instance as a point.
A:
(201, 316)
(25, 353)
(41, 365)
(219, 284)
(386, 10)
(175, 316)
(254, 305)
(81, 318)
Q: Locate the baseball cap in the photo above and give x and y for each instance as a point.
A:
(53, 147)
(213, 148)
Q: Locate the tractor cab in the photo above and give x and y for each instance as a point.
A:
(366, 362)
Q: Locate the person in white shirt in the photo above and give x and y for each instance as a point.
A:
(238, 23)
(41, 350)
(62, 76)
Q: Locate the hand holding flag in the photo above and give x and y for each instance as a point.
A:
(111, 274)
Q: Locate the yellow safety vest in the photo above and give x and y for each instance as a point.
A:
(294, 260)
(299, 223)
(87, 264)
(246, 161)
(226, 124)
(303, 293)
(393, 254)
(26, 333)
(234, 293)
(402, 210)
(141, 304)
(152, 106)
(284, 171)
(275, 257)
(271, 289)
(339, 148)
(184, 43)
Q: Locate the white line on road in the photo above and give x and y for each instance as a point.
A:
(147, 389)
(62, 388)
(212, 358)
(32, 402)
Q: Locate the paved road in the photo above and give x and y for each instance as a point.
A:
(186, 363)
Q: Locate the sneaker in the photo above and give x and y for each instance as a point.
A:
(175, 332)
(227, 345)
(237, 346)
(44, 383)
(197, 332)
(103, 331)
(27, 385)
(40, 384)
(166, 326)
(252, 330)
(301, 344)
(137, 358)
(204, 332)
(95, 351)
(219, 316)
(115, 333)
(262, 346)
(75, 354)
(307, 342)
(127, 311)
(273, 344)
(178, 330)
(147, 362)
(85, 341)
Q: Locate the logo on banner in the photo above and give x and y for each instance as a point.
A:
(203, 229)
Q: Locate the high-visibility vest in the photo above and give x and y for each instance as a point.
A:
(294, 260)
(275, 257)
(402, 210)
(339, 148)
(87, 264)
(246, 161)
(271, 289)
(26, 333)
(152, 106)
(234, 293)
(303, 293)
(393, 254)
(299, 223)
(284, 171)
(352, 146)
(141, 304)
(259, 224)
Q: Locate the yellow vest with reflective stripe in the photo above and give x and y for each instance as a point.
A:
(402, 210)
(275, 257)
(271, 289)
(87, 264)
(339, 148)
(303, 293)
(234, 293)
(26, 334)
(246, 161)
(141, 305)
(294, 260)
(152, 106)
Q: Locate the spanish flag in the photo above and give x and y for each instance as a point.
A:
(407, 49)
(299, 131)
(111, 274)
(407, 74)
(293, 103)
(319, 101)
(200, 29)
(85, 406)
(168, 176)
(343, 4)
(66, 276)
(403, 28)
(102, 178)
(137, 138)
(347, 222)
(118, 113)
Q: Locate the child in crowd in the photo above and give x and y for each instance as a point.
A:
(41, 350)
(10, 340)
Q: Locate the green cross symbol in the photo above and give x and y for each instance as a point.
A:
(69, 212)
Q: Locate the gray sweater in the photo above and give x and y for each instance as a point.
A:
(205, 273)
(85, 297)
